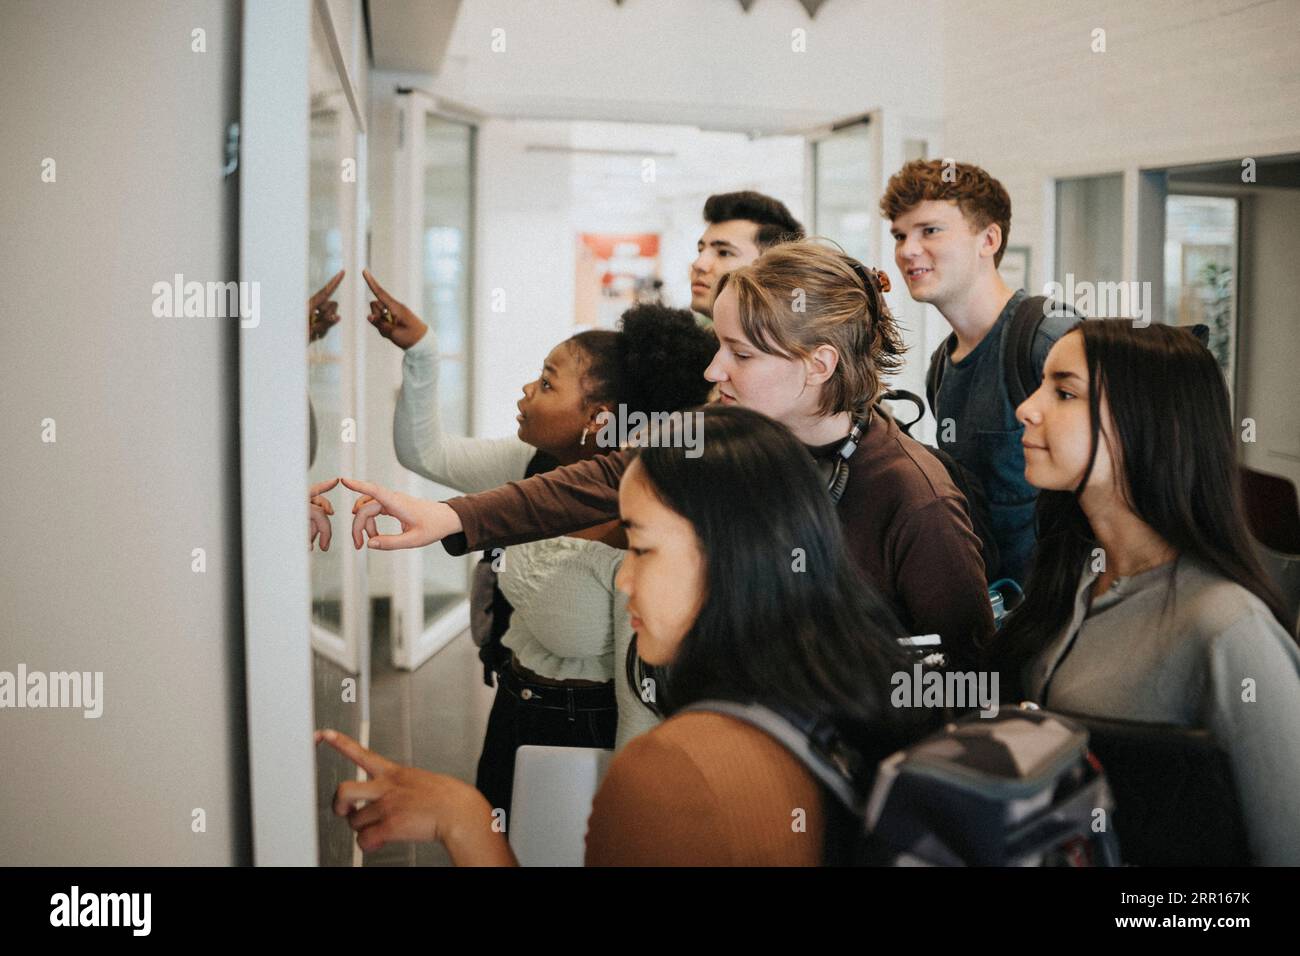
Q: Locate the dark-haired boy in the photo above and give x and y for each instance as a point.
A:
(950, 223)
(741, 227)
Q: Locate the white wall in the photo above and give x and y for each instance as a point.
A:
(101, 523)
(1180, 81)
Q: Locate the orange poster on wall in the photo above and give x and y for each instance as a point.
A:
(614, 272)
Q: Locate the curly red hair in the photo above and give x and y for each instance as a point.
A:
(981, 198)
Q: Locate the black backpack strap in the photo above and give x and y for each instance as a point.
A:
(1018, 348)
(794, 738)
(934, 375)
(903, 395)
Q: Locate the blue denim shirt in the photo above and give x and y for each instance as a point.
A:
(977, 426)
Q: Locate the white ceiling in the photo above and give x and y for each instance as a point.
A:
(705, 63)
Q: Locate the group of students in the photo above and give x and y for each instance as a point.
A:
(782, 560)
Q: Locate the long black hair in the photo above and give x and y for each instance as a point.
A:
(1176, 453)
(787, 618)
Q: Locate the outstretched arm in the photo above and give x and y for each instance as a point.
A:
(558, 502)
(466, 464)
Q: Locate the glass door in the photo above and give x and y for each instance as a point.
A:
(435, 197)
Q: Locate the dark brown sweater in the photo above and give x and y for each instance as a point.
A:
(905, 523)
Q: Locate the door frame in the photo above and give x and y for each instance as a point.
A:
(273, 164)
(273, 219)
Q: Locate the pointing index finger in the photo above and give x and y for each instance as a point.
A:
(365, 488)
(377, 289)
(323, 486)
(325, 291)
(333, 283)
(367, 760)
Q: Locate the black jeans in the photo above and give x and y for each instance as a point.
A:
(539, 714)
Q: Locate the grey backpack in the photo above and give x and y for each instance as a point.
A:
(1016, 789)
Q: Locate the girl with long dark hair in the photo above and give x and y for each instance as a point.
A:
(740, 588)
(1146, 601)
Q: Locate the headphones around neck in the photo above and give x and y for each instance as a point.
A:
(840, 471)
(876, 283)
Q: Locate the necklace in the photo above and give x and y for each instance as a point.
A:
(1166, 554)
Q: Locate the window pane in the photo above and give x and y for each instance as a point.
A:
(1089, 231)
(842, 171)
(1200, 269)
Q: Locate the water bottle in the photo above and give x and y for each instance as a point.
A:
(999, 607)
(998, 602)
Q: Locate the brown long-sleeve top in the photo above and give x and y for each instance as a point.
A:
(705, 789)
(905, 524)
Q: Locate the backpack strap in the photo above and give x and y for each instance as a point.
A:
(795, 738)
(1018, 348)
(903, 395)
(934, 375)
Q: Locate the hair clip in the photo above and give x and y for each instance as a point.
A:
(866, 275)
